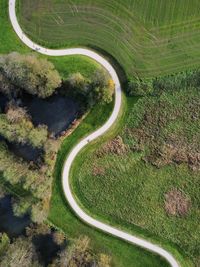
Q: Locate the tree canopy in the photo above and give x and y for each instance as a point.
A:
(36, 76)
(100, 88)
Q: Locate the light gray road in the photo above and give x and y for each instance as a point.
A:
(68, 162)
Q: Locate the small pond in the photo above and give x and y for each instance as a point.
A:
(9, 223)
(3, 102)
(46, 248)
(25, 151)
(15, 226)
(57, 111)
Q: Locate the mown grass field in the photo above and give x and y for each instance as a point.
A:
(129, 191)
(60, 215)
(146, 37)
(10, 42)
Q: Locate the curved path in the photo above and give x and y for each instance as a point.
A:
(68, 163)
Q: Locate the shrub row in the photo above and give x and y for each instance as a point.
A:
(155, 86)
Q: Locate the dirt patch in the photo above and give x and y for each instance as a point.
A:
(115, 146)
(177, 203)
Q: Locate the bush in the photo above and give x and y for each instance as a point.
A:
(39, 212)
(99, 89)
(16, 114)
(76, 80)
(38, 136)
(20, 253)
(100, 78)
(102, 87)
(137, 87)
(20, 206)
(4, 242)
(22, 130)
(142, 87)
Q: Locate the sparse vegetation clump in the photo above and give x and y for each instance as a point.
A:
(115, 146)
(177, 203)
(169, 129)
(98, 170)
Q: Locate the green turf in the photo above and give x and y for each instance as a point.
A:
(147, 37)
(130, 193)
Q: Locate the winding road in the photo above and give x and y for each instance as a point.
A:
(71, 157)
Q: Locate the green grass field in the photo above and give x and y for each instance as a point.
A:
(61, 216)
(130, 193)
(123, 254)
(147, 37)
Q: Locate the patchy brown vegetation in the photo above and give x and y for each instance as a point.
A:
(173, 153)
(115, 146)
(177, 203)
(98, 170)
(169, 131)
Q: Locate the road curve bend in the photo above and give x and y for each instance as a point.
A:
(70, 158)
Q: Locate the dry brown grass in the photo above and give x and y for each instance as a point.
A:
(98, 170)
(177, 203)
(115, 146)
(167, 132)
